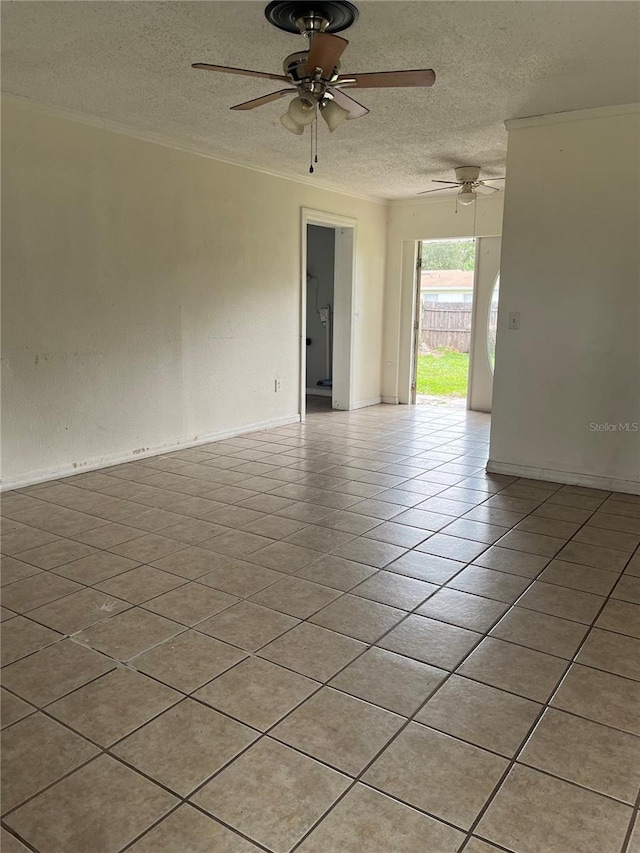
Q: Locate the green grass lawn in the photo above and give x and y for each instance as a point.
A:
(443, 374)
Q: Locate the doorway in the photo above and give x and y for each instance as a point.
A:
(443, 320)
(326, 319)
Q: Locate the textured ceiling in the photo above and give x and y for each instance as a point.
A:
(128, 62)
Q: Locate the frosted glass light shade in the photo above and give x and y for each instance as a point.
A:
(302, 111)
(292, 125)
(333, 114)
(466, 196)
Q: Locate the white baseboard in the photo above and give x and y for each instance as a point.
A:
(570, 478)
(318, 392)
(393, 401)
(30, 478)
(362, 404)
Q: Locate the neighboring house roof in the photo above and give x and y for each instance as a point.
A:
(446, 280)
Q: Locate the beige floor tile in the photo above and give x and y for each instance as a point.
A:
(339, 730)
(426, 567)
(369, 552)
(25, 538)
(350, 522)
(478, 531)
(540, 631)
(634, 841)
(559, 601)
(476, 845)
(140, 584)
(575, 576)
(272, 794)
(633, 566)
(95, 568)
(430, 641)
(187, 661)
(313, 651)
(627, 589)
(286, 557)
(55, 553)
(113, 705)
(535, 813)
(548, 526)
(247, 625)
(532, 543)
(612, 652)
(329, 570)
(12, 570)
(129, 633)
(108, 535)
(463, 609)
(581, 751)
(12, 708)
(189, 831)
(430, 522)
(274, 526)
(52, 672)
(358, 617)
(10, 844)
(402, 535)
(236, 543)
(185, 745)
(499, 586)
(190, 563)
(234, 516)
(513, 562)
(71, 816)
(21, 637)
(449, 779)
(295, 597)
(593, 555)
(239, 578)
(607, 538)
(35, 591)
(395, 590)
(480, 714)
(368, 814)
(147, 549)
(36, 752)
(600, 696)
(619, 523)
(620, 616)
(190, 603)
(257, 692)
(394, 682)
(453, 547)
(78, 611)
(516, 669)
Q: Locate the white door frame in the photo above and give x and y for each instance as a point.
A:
(343, 302)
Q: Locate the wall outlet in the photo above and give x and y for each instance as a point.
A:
(514, 319)
(277, 385)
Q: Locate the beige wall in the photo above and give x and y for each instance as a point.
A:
(410, 221)
(151, 296)
(571, 268)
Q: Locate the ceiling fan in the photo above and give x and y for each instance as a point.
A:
(468, 179)
(313, 75)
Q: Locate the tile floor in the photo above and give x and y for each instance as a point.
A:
(337, 637)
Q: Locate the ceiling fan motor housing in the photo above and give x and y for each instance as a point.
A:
(467, 174)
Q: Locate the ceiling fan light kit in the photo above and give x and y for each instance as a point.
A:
(313, 75)
(469, 183)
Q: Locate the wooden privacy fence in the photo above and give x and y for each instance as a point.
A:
(447, 325)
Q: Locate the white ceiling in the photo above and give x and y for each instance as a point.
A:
(128, 62)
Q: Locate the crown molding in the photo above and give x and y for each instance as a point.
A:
(571, 115)
(180, 145)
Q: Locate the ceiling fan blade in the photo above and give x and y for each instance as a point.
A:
(451, 183)
(438, 190)
(324, 53)
(484, 180)
(483, 189)
(355, 109)
(385, 79)
(243, 71)
(265, 99)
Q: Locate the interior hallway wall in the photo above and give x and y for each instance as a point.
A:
(151, 296)
(566, 397)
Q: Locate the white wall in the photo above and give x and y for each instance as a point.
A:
(151, 296)
(320, 264)
(409, 222)
(570, 267)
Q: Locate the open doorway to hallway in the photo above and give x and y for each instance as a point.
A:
(321, 248)
(443, 320)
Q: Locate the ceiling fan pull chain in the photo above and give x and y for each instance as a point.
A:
(311, 150)
(315, 128)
